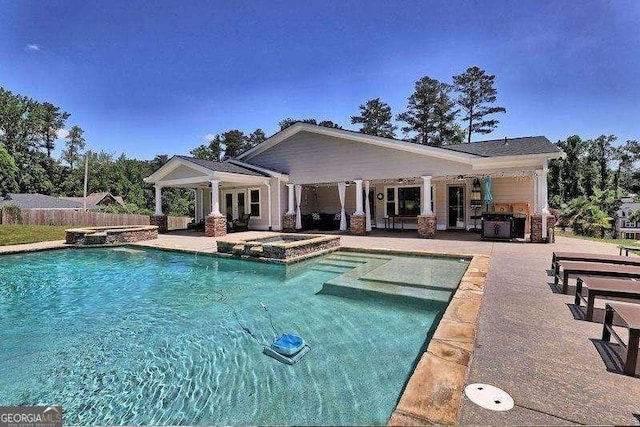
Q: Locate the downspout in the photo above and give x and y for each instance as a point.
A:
(269, 203)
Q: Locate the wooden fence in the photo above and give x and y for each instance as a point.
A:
(68, 217)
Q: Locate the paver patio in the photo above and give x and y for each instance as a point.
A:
(528, 343)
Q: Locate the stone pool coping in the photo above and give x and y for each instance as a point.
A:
(110, 235)
(433, 393)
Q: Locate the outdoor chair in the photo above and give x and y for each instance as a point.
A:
(558, 257)
(576, 269)
(597, 287)
(242, 223)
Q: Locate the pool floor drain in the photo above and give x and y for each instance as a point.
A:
(489, 397)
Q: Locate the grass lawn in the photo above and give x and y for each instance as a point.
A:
(17, 234)
(623, 242)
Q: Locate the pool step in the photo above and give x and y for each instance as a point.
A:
(338, 263)
(360, 256)
(330, 269)
(350, 288)
(347, 259)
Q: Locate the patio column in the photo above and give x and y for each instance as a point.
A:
(215, 198)
(542, 223)
(426, 219)
(199, 203)
(359, 203)
(292, 208)
(426, 196)
(158, 200)
(215, 225)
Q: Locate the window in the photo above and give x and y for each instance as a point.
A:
(409, 201)
(254, 202)
(629, 224)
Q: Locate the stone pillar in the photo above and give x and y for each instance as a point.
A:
(160, 221)
(289, 222)
(359, 202)
(215, 225)
(358, 225)
(292, 208)
(541, 223)
(426, 196)
(426, 226)
(158, 200)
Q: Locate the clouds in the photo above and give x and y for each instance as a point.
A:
(33, 47)
(208, 137)
(62, 133)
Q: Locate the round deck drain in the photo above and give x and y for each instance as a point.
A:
(489, 397)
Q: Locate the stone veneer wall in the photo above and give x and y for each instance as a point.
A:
(215, 225)
(289, 223)
(87, 236)
(160, 221)
(427, 226)
(536, 229)
(357, 225)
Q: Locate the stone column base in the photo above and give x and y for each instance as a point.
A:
(160, 221)
(289, 223)
(426, 226)
(357, 225)
(536, 229)
(215, 226)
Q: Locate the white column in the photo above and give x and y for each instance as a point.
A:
(426, 196)
(198, 207)
(292, 208)
(367, 208)
(298, 189)
(542, 192)
(359, 203)
(158, 200)
(215, 198)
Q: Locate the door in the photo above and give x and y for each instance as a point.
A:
(234, 203)
(455, 206)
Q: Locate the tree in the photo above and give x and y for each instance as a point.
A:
(51, 119)
(285, 123)
(587, 216)
(234, 142)
(476, 92)
(210, 151)
(430, 113)
(603, 153)
(255, 138)
(375, 117)
(8, 171)
(74, 145)
(574, 148)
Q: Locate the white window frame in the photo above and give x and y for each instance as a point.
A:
(629, 224)
(249, 190)
(396, 200)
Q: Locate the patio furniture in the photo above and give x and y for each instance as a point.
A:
(242, 223)
(390, 220)
(628, 249)
(597, 287)
(594, 269)
(590, 257)
(630, 316)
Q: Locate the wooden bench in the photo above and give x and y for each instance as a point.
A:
(628, 249)
(598, 287)
(590, 257)
(630, 316)
(594, 269)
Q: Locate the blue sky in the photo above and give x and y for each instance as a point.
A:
(146, 78)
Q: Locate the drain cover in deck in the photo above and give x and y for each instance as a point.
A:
(489, 397)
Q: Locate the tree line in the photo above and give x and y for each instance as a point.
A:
(587, 185)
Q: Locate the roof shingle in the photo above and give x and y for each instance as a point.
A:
(507, 147)
(222, 166)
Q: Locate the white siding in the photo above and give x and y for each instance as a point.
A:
(310, 158)
(183, 171)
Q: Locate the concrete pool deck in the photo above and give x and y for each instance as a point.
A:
(528, 341)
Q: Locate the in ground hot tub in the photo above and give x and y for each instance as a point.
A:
(280, 247)
(115, 235)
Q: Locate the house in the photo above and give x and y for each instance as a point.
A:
(365, 182)
(628, 229)
(97, 200)
(38, 201)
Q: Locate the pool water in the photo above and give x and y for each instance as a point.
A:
(150, 337)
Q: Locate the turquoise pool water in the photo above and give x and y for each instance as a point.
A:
(150, 337)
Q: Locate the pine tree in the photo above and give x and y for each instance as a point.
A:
(375, 117)
(430, 114)
(75, 143)
(476, 93)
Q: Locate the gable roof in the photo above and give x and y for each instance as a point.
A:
(507, 147)
(224, 166)
(465, 153)
(94, 199)
(38, 201)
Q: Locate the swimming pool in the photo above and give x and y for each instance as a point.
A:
(120, 336)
